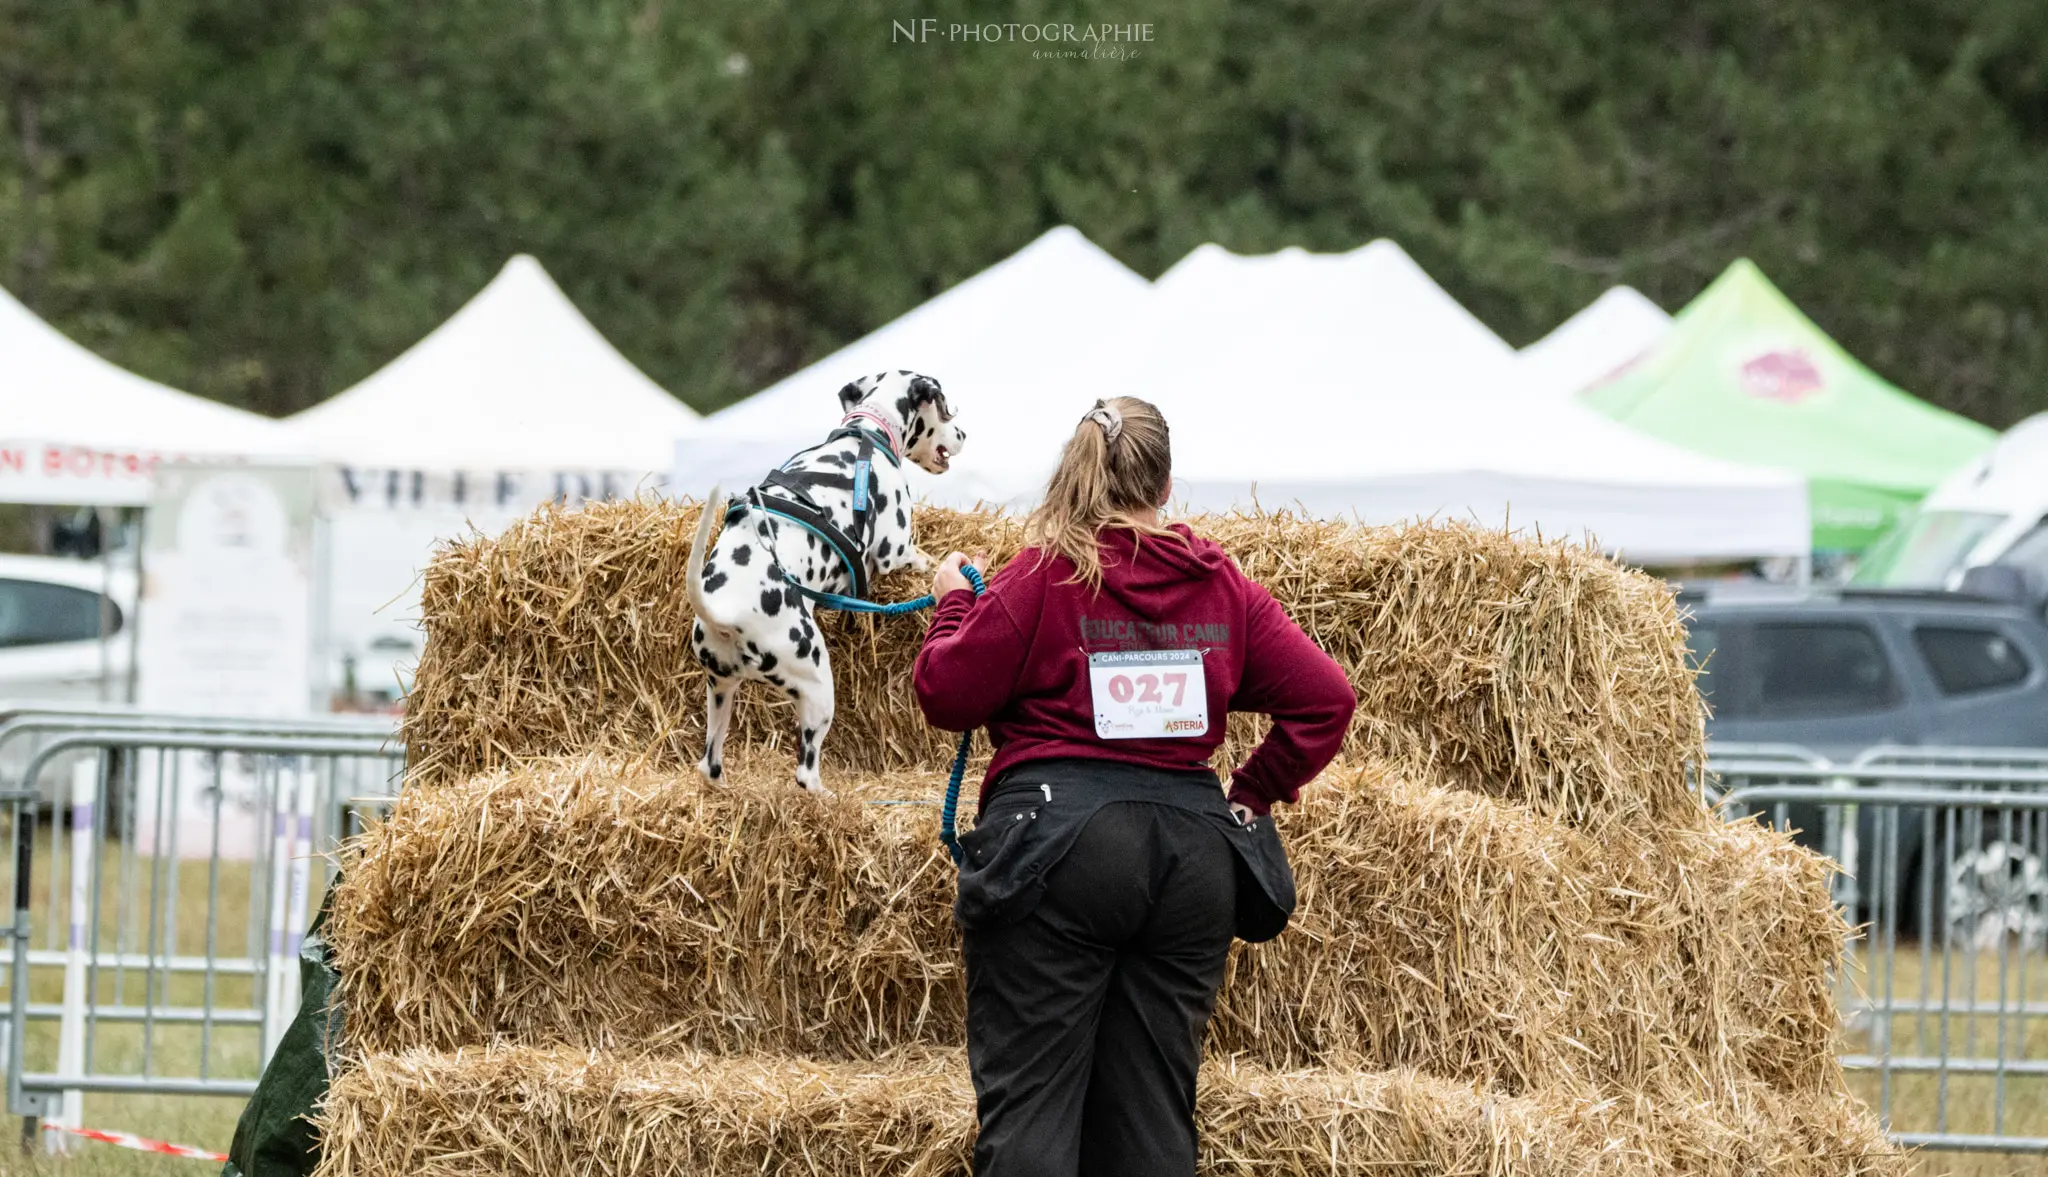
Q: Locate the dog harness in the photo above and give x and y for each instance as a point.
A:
(785, 494)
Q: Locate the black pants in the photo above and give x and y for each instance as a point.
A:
(1085, 1018)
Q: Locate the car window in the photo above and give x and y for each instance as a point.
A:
(1966, 659)
(1701, 640)
(2030, 552)
(1924, 550)
(1812, 669)
(35, 613)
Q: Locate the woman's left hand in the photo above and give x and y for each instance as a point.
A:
(949, 578)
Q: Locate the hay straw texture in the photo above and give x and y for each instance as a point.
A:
(535, 1113)
(1522, 948)
(576, 903)
(586, 904)
(1537, 671)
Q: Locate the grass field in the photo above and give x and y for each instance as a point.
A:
(1915, 1102)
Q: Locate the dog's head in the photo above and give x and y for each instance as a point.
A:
(917, 407)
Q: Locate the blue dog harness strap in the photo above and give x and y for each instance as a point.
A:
(783, 494)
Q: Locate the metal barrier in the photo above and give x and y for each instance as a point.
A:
(1945, 987)
(153, 946)
(155, 934)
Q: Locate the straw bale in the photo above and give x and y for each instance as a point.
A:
(1757, 942)
(521, 1111)
(1436, 929)
(1536, 670)
(604, 906)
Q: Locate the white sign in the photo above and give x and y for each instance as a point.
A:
(1149, 694)
(227, 592)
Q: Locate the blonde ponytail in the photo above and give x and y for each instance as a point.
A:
(1118, 464)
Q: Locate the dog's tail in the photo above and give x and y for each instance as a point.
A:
(693, 575)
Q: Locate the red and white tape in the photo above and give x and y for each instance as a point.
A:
(140, 1143)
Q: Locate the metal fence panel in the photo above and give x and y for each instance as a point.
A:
(157, 917)
(162, 868)
(1945, 985)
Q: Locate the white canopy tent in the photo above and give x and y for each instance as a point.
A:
(992, 342)
(1607, 335)
(513, 401)
(517, 379)
(1352, 385)
(77, 429)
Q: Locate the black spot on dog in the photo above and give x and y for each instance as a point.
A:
(717, 770)
(710, 569)
(771, 602)
(776, 679)
(794, 693)
(742, 554)
(795, 634)
(713, 583)
(752, 648)
(900, 522)
(774, 572)
(810, 734)
(790, 596)
(717, 700)
(817, 655)
(767, 662)
(899, 549)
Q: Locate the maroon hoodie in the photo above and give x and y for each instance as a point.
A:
(1018, 662)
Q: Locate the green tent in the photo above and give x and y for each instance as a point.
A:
(1742, 375)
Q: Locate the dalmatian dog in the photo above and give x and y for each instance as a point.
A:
(752, 623)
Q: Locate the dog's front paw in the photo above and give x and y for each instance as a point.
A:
(919, 561)
(708, 770)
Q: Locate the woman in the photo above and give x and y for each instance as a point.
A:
(1107, 872)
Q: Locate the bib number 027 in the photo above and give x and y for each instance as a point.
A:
(1149, 694)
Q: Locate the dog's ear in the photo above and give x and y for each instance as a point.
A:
(850, 396)
(924, 390)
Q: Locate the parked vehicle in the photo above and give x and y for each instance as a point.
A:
(63, 629)
(1991, 513)
(1844, 672)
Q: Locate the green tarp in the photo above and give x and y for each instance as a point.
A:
(1743, 375)
(274, 1137)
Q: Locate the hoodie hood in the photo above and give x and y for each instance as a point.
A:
(1138, 569)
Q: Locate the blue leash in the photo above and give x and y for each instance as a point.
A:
(949, 812)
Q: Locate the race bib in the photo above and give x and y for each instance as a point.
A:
(1149, 694)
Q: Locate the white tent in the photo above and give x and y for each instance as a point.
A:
(516, 399)
(77, 429)
(1351, 385)
(992, 342)
(1607, 335)
(517, 379)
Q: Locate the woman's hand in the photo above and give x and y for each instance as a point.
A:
(949, 578)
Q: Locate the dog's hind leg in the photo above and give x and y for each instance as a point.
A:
(814, 707)
(718, 703)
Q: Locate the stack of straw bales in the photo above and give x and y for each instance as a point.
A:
(1522, 948)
